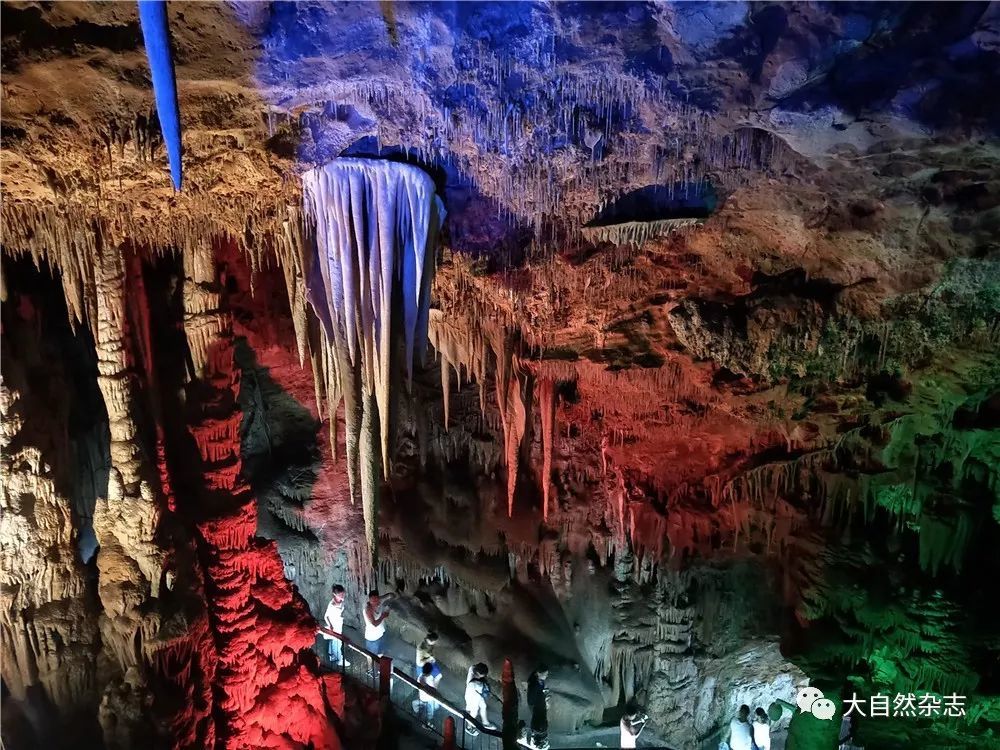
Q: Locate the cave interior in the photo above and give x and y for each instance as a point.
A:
(656, 343)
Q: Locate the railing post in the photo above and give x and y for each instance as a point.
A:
(384, 675)
(509, 693)
(449, 734)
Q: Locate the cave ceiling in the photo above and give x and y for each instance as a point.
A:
(848, 150)
(713, 280)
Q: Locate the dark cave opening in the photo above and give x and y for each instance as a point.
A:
(682, 200)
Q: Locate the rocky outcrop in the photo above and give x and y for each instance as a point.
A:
(267, 694)
(48, 626)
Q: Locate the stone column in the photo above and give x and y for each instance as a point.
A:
(129, 561)
(260, 627)
(165, 673)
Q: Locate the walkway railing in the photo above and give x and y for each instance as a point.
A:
(402, 690)
(455, 728)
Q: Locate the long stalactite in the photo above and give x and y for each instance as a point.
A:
(376, 225)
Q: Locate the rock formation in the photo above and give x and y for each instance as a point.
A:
(376, 226)
(50, 632)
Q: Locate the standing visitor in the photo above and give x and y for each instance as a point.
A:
(477, 690)
(334, 620)
(761, 730)
(425, 700)
(631, 726)
(740, 731)
(375, 614)
(538, 703)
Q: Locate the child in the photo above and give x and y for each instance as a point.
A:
(425, 653)
(426, 700)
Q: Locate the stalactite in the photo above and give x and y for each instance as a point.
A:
(514, 417)
(445, 388)
(376, 227)
(636, 233)
(461, 346)
(943, 540)
(156, 34)
(290, 250)
(547, 406)
(370, 474)
(67, 236)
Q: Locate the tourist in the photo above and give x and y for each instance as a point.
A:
(538, 702)
(424, 699)
(761, 730)
(477, 690)
(334, 620)
(375, 615)
(740, 731)
(631, 726)
(425, 653)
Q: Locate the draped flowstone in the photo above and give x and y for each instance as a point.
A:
(376, 225)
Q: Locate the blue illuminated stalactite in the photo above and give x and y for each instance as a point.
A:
(153, 19)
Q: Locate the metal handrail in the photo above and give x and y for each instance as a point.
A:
(406, 679)
(459, 714)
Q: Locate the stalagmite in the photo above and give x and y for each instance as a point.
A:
(376, 226)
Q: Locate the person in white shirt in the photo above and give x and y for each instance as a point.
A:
(334, 620)
(424, 699)
(761, 730)
(476, 692)
(740, 731)
(375, 615)
(631, 726)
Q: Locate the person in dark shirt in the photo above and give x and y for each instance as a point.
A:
(538, 702)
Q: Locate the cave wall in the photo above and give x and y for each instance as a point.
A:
(50, 634)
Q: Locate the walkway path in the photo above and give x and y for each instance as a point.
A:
(452, 687)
